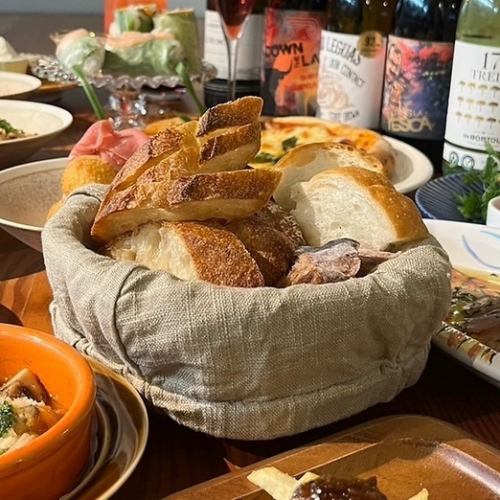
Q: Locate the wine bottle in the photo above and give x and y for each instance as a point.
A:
(417, 73)
(352, 58)
(249, 58)
(474, 104)
(292, 37)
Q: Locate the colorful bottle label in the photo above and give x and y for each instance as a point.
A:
(248, 57)
(474, 104)
(417, 78)
(290, 62)
(351, 77)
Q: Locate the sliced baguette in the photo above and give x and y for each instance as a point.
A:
(355, 203)
(189, 251)
(221, 195)
(304, 162)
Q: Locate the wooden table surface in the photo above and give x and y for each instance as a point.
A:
(177, 457)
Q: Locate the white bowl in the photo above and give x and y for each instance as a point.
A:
(26, 193)
(34, 118)
(14, 84)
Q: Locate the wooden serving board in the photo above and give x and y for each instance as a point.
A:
(405, 453)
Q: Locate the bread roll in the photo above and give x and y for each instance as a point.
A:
(304, 162)
(355, 203)
(189, 251)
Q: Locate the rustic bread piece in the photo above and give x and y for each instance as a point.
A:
(229, 134)
(271, 249)
(304, 162)
(355, 203)
(189, 251)
(221, 195)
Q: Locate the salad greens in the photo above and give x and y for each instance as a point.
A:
(6, 418)
(473, 206)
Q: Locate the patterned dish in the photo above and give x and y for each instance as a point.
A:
(475, 251)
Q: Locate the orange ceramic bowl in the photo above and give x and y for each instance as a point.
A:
(51, 464)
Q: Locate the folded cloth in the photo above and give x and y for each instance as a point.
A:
(245, 363)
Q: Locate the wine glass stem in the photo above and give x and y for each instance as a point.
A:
(232, 56)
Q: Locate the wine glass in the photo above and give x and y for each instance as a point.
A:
(233, 15)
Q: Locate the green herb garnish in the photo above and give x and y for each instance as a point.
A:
(263, 157)
(6, 418)
(289, 143)
(5, 125)
(473, 206)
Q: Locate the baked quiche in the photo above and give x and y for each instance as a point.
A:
(280, 135)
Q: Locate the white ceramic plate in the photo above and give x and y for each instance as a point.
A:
(17, 85)
(413, 168)
(26, 194)
(476, 248)
(44, 120)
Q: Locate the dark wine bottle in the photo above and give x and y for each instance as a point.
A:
(417, 73)
(292, 36)
(249, 58)
(352, 57)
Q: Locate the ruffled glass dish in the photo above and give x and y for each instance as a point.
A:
(129, 95)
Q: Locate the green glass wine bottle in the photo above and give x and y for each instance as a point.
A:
(474, 103)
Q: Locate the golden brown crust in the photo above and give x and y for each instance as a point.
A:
(272, 250)
(230, 114)
(158, 126)
(218, 256)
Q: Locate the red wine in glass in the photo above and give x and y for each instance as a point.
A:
(233, 14)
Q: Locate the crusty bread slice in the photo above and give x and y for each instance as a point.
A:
(271, 236)
(304, 162)
(355, 203)
(189, 251)
(221, 195)
(229, 134)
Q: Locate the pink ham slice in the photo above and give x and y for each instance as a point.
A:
(114, 147)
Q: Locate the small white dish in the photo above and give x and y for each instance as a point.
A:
(17, 85)
(413, 168)
(473, 248)
(43, 120)
(493, 212)
(26, 193)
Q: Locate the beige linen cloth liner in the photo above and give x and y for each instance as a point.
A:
(245, 363)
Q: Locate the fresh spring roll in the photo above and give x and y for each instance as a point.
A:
(148, 54)
(181, 23)
(133, 18)
(79, 47)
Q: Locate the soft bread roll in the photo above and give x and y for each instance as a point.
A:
(355, 203)
(304, 162)
(271, 236)
(229, 134)
(221, 195)
(189, 251)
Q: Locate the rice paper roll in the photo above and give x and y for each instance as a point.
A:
(182, 24)
(148, 54)
(133, 18)
(81, 48)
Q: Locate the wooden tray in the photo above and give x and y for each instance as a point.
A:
(405, 453)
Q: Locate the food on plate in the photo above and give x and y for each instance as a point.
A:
(86, 169)
(115, 147)
(473, 205)
(310, 486)
(8, 132)
(352, 202)
(182, 24)
(184, 173)
(26, 411)
(304, 162)
(136, 53)
(133, 18)
(280, 135)
(189, 185)
(81, 48)
(158, 126)
(475, 308)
